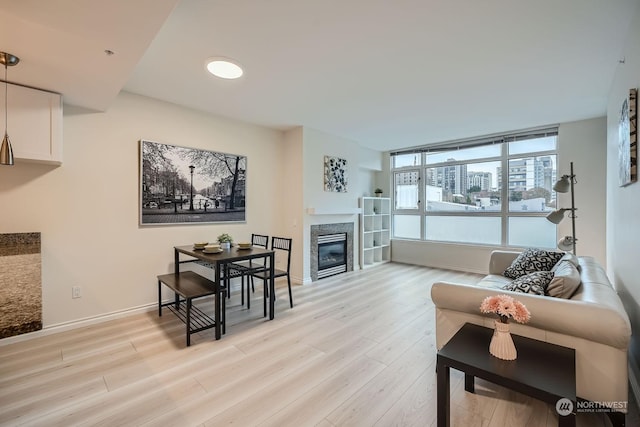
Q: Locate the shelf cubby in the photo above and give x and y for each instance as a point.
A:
(375, 231)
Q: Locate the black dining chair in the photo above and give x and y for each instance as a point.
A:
(244, 269)
(277, 244)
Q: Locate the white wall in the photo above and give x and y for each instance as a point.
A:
(291, 198)
(362, 164)
(585, 143)
(582, 142)
(623, 203)
(87, 209)
(318, 144)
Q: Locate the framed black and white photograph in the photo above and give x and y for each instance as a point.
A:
(180, 185)
(628, 140)
(335, 174)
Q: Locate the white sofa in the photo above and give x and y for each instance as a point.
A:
(593, 322)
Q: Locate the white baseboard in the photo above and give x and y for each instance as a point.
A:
(74, 324)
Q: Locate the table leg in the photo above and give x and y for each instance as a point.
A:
(159, 298)
(443, 394)
(617, 419)
(567, 421)
(223, 314)
(469, 383)
(223, 303)
(265, 292)
(176, 270)
(272, 286)
(216, 298)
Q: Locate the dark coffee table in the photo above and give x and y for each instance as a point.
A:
(542, 370)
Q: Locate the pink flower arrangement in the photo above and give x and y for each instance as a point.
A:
(505, 307)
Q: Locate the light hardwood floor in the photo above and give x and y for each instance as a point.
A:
(356, 349)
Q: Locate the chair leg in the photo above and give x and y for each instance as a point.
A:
(248, 293)
(289, 285)
(242, 290)
(252, 285)
(265, 295)
(224, 313)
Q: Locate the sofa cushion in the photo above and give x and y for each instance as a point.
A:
(531, 260)
(494, 281)
(532, 283)
(566, 280)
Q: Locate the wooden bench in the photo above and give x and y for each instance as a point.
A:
(187, 286)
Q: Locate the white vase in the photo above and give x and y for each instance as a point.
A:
(502, 345)
(225, 245)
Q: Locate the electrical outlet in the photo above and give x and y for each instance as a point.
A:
(75, 292)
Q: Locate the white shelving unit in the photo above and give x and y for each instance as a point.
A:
(375, 231)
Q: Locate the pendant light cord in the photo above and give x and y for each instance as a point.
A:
(6, 100)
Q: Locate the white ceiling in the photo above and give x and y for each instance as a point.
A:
(384, 73)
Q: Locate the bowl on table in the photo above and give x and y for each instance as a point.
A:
(212, 248)
(200, 245)
(244, 245)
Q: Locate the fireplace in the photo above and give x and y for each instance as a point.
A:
(331, 249)
(332, 254)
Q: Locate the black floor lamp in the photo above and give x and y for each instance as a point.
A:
(563, 185)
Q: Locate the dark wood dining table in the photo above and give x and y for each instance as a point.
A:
(219, 261)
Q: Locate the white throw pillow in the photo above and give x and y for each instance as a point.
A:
(568, 257)
(566, 280)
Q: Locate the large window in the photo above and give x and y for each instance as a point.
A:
(495, 191)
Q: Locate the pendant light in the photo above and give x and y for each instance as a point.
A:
(6, 152)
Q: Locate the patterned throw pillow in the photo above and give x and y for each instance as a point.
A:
(532, 283)
(532, 260)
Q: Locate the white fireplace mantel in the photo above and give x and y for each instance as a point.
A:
(333, 211)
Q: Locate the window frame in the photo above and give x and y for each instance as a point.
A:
(405, 211)
(504, 158)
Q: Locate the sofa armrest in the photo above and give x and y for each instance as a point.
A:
(593, 322)
(500, 260)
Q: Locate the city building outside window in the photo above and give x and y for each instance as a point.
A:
(491, 191)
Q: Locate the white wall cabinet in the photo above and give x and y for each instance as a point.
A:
(375, 231)
(34, 124)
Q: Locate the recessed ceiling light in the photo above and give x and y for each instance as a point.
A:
(224, 68)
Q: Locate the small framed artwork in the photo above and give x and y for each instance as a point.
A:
(628, 140)
(180, 185)
(335, 174)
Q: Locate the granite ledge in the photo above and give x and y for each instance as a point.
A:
(19, 244)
